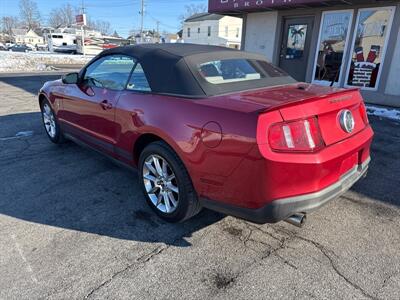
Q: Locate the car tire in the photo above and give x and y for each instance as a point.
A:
(50, 123)
(186, 200)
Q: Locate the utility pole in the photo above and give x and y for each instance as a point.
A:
(82, 28)
(158, 25)
(141, 19)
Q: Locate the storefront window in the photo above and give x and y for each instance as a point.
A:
(369, 47)
(332, 45)
(296, 41)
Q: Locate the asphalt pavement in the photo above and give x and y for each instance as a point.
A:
(74, 225)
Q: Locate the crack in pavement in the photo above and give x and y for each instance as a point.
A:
(264, 255)
(141, 261)
(334, 266)
(148, 256)
(290, 236)
(332, 262)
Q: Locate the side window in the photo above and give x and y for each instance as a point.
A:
(110, 72)
(138, 80)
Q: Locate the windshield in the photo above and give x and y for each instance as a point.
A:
(237, 70)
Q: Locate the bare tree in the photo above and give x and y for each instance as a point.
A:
(63, 16)
(8, 23)
(103, 26)
(29, 13)
(115, 34)
(192, 9)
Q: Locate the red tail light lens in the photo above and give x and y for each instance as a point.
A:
(296, 136)
(363, 113)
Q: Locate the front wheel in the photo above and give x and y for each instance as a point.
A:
(50, 123)
(166, 183)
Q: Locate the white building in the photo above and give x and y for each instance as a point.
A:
(23, 36)
(213, 29)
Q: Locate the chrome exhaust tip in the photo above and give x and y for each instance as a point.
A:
(298, 219)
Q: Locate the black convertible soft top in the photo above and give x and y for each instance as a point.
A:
(173, 68)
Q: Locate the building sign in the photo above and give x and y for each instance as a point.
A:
(249, 5)
(80, 20)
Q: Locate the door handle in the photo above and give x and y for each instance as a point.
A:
(106, 105)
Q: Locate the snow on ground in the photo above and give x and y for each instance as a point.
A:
(389, 113)
(37, 61)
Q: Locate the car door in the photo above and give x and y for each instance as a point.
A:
(89, 106)
(130, 112)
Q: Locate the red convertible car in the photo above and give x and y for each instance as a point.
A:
(214, 127)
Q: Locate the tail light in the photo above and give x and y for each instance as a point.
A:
(363, 113)
(296, 136)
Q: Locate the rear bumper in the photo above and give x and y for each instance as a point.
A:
(281, 209)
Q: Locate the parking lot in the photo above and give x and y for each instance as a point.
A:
(74, 225)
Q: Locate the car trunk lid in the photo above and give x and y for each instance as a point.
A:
(301, 101)
(329, 108)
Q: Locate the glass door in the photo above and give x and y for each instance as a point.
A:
(295, 46)
(369, 47)
(332, 44)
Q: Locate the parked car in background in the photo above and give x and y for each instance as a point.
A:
(70, 49)
(214, 127)
(20, 48)
(42, 47)
(3, 47)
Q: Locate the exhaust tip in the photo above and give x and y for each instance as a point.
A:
(297, 220)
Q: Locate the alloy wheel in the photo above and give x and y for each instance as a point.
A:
(160, 183)
(49, 121)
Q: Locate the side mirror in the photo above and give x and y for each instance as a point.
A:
(70, 78)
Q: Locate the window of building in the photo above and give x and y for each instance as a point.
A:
(333, 42)
(110, 72)
(138, 80)
(188, 32)
(209, 31)
(369, 47)
(237, 32)
(226, 31)
(198, 30)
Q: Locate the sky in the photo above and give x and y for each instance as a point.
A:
(123, 15)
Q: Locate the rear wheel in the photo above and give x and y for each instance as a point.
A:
(50, 123)
(166, 183)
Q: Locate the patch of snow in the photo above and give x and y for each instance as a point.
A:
(24, 133)
(37, 61)
(383, 112)
(20, 134)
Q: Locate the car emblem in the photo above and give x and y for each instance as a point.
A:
(346, 120)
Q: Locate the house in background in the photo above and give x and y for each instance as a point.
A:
(213, 29)
(170, 38)
(25, 36)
